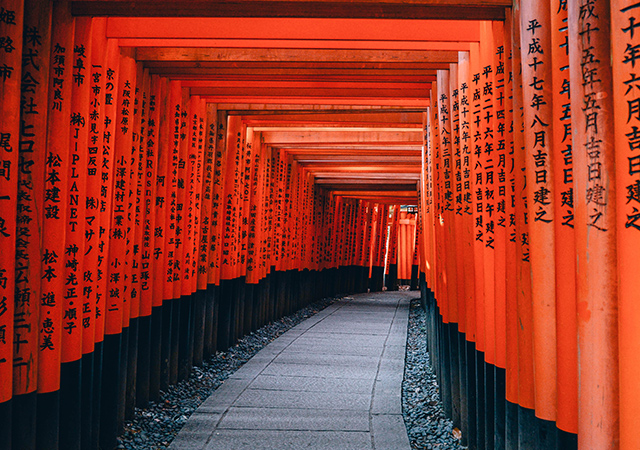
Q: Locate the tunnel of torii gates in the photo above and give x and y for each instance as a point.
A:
(174, 175)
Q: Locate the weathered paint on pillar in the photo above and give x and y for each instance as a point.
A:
(625, 37)
(535, 29)
(594, 187)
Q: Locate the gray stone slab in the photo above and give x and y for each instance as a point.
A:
(314, 370)
(303, 400)
(313, 384)
(289, 440)
(294, 419)
(326, 358)
(387, 403)
(389, 432)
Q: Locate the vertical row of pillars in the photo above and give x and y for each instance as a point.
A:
(472, 392)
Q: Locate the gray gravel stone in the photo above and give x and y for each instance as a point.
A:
(427, 426)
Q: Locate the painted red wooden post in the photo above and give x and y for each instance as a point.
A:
(199, 183)
(118, 302)
(76, 197)
(30, 172)
(189, 208)
(208, 182)
(535, 29)
(489, 163)
(466, 150)
(624, 40)
(448, 201)
(594, 187)
(477, 186)
(511, 316)
(174, 119)
(11, 27)
(217, 207)
(149, 164)
(453, 93)
(501, 136)
(139, 119)
(565, 252)
(179, 203)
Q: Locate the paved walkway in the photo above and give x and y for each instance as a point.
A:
(332, 382)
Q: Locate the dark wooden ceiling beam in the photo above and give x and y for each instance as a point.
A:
(454, 10)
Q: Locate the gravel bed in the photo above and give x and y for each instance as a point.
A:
(427, 426)
(155, 427)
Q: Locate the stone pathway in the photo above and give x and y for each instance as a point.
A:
(332, 382)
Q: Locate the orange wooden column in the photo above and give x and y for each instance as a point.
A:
(161, 200)
(109, 62)
(467, 237)
(256, 215)
(425, 196)
(178, 205)
(457, 195)
(447, 205)
(208, 182)
(30, 174)
(174, 120)
(501, 136)
(511, 294)
(118, 303)
(535, 29)
(190, 181)
(231, 200)
(595, 223)
(217, 203)
(76, 199)
(137, 125)
(11, 28)
(477, 191)
(489, 162)
(96, 77)
(565, 251)
(526, 396)
(149, 161)
(624, 39)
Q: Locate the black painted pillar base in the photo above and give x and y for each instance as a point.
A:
(527, 436)
(248, 308)
(413, 283)
(71, 405)
(211, 321)
(464, 389)
(500, 404)
(6, 409)
(122, 380)
(24, 421)
(489, 406)
(511, 426)
(165, 346)
(132, 370)
(568, 441)
(480, 400)
(87, 399)
(472, 402)
(155, 352)
(110, 382)
(47, 422)
(199, 318)
(184, 359)
(176, 325)
(224, 315)
(143, 363)
(97, 394)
